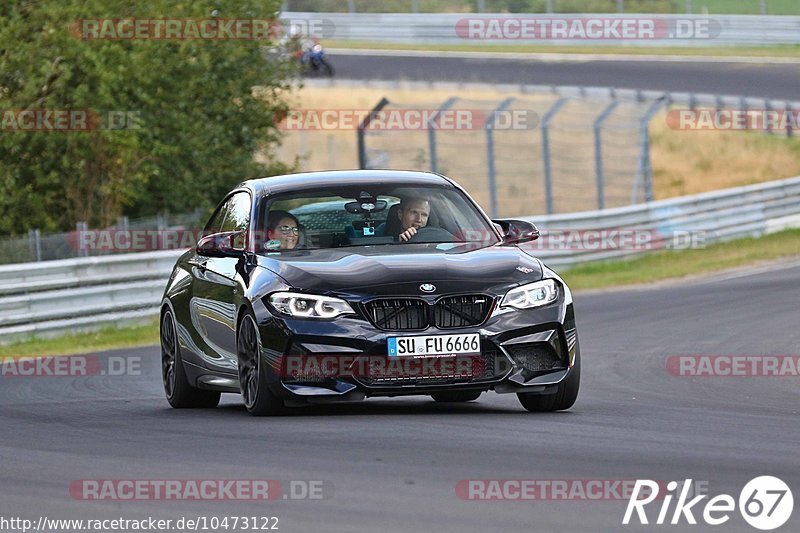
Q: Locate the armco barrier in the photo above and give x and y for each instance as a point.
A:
(441, 28)
(57, 296)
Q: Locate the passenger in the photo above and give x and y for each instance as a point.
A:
(283, 226)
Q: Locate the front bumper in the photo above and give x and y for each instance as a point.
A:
(529, 351)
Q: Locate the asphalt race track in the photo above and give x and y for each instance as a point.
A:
(393, 464)
(748, 79)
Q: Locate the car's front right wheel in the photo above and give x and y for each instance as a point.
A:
(564, 397)
(258, 399)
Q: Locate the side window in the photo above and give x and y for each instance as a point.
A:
(215, 222)
(237, 216)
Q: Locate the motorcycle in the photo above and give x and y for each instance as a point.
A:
(315, 60)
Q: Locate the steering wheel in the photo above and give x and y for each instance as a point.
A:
(432, 234)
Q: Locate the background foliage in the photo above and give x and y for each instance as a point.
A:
(199, 122)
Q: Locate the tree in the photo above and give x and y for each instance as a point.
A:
(191, 119)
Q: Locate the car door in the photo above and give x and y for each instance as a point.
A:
(214, 286)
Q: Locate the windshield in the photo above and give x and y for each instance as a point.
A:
(377, 216)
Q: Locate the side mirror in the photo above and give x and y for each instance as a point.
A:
(517, 231)
(220, 245)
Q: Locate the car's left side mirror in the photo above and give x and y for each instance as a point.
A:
(517, 231)
(221, 244)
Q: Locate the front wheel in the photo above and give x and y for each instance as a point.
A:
(565, 395)
(180, 394)
(325, 67)
(258, 399)
(456, 396)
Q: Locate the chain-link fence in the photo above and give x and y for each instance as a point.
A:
(167, 231)
(555, 150)
(536, 153)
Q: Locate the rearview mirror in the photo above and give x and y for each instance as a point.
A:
(220, 244)
(517, 231)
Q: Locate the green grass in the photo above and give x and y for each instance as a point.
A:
(656, 266)
(723, 51)
(75, 343)
(671, 264)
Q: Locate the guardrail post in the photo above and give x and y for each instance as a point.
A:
(432, 132)
(362, 148)
(644, 172)
(598, 152)
(35, 241)
(80, 228)
(548, 176)
(490, 153)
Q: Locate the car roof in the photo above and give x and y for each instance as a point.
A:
(312, 180)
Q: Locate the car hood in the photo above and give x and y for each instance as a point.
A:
(401, 271)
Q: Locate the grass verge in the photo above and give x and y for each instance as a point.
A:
(110, 338)
(671, 264)
(656, 266)
(720, 51)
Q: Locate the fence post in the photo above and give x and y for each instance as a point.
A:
(789, 120)
(548, 177)
(689, 7)
(644, 172)
(35, 241)
(549, 6)
(598, 152)
(490, 153)
(620, 6)
(767, 109)
(432, 132)
(362, 148)
(481, 6)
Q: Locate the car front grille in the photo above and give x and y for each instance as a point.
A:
(461, 311)
(415, 313)
(398, 313)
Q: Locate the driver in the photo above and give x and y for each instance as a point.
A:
(413, 214)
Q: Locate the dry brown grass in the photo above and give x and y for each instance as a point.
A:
(684, 162)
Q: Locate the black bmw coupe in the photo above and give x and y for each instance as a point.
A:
(342, 285)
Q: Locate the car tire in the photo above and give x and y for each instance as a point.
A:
(258, 398)
(180, 394)
(564, 397)
(456, 396)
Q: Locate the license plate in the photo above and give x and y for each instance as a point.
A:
(465, 343)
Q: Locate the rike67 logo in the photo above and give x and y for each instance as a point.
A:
(766, 503)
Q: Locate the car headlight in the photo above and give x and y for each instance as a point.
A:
(309, 305)
(531, 295)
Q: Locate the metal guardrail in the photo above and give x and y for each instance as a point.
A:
(84, 293)
(441, 28)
